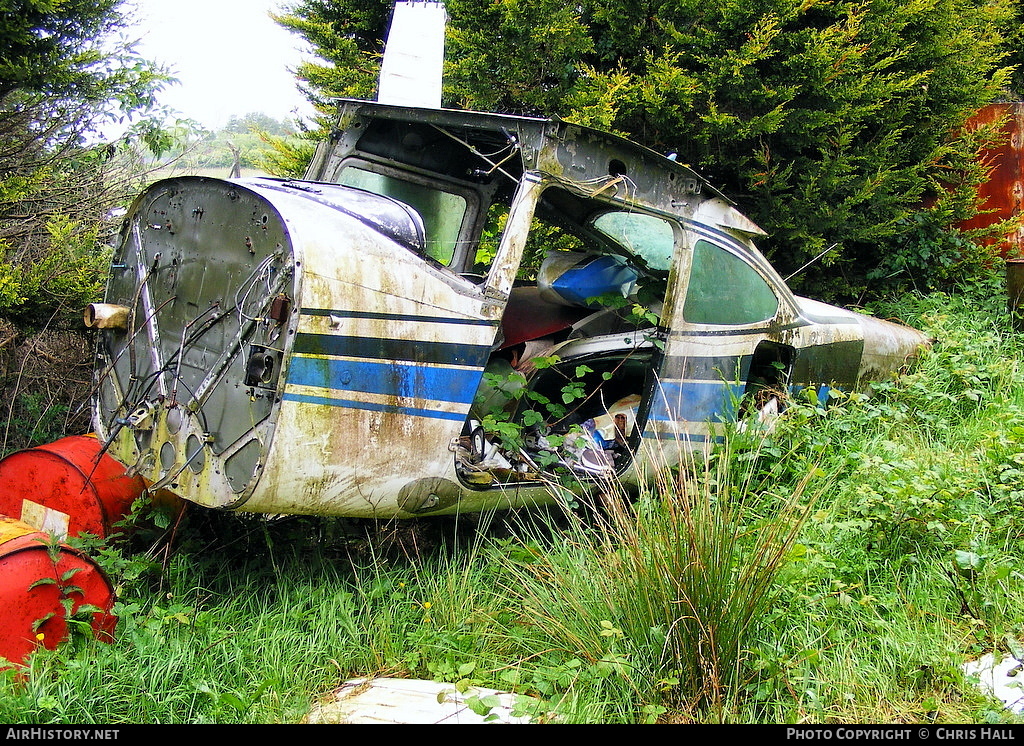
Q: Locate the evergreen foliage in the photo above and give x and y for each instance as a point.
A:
(838, 126)
(346, 36)
(1013, 30)
(65, 71)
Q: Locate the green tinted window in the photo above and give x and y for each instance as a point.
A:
(724, 289)
(648, 237)
(442, 212)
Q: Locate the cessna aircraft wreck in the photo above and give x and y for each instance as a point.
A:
(450, 305)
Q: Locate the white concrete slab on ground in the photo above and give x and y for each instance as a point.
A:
(411, 701)
(1001, 678)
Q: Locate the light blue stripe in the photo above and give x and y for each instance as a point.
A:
(692, 401)
(375, 407)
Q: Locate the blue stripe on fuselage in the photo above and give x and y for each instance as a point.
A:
(386, 378)
(375, 407)
(695, 401)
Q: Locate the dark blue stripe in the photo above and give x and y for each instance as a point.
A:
(374, 407)
(722, 237)
(387, 379)
(415, 351)
(741, 331)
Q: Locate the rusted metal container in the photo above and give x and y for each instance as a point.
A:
(67, 488)
(1002, 196)
(38, 575)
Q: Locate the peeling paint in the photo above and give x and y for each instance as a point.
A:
(322, 346)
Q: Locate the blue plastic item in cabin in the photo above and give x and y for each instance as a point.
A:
(576, 279)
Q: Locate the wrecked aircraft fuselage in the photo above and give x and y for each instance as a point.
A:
(448, 308)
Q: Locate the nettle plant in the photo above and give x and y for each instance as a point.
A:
(78, 615)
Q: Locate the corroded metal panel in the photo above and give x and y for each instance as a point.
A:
(185, 396)
(386, 359)
(1001, 197)
(371, 361)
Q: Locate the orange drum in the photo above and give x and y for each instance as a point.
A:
(37, 575)
(67, 487)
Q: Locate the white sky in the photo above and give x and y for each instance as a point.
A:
(230, 57)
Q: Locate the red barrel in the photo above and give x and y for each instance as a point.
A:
(67, 487)
(37, 577)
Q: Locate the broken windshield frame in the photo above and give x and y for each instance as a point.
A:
(647, 241)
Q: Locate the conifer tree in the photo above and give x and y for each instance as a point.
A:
(65, 72)
(836, 125)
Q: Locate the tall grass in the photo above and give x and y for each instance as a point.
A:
(839, 569)
(663, 591)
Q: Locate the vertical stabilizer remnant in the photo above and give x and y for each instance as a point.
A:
(410, 74)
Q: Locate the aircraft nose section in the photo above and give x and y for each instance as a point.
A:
(888, 347)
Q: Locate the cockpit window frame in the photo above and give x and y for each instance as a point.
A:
(465, 245)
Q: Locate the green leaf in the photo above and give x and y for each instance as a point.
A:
(234, 701)
(67, 575)
(483, 705)
(41, 621)
(968, 560)
(532, 417)
(86, 610)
